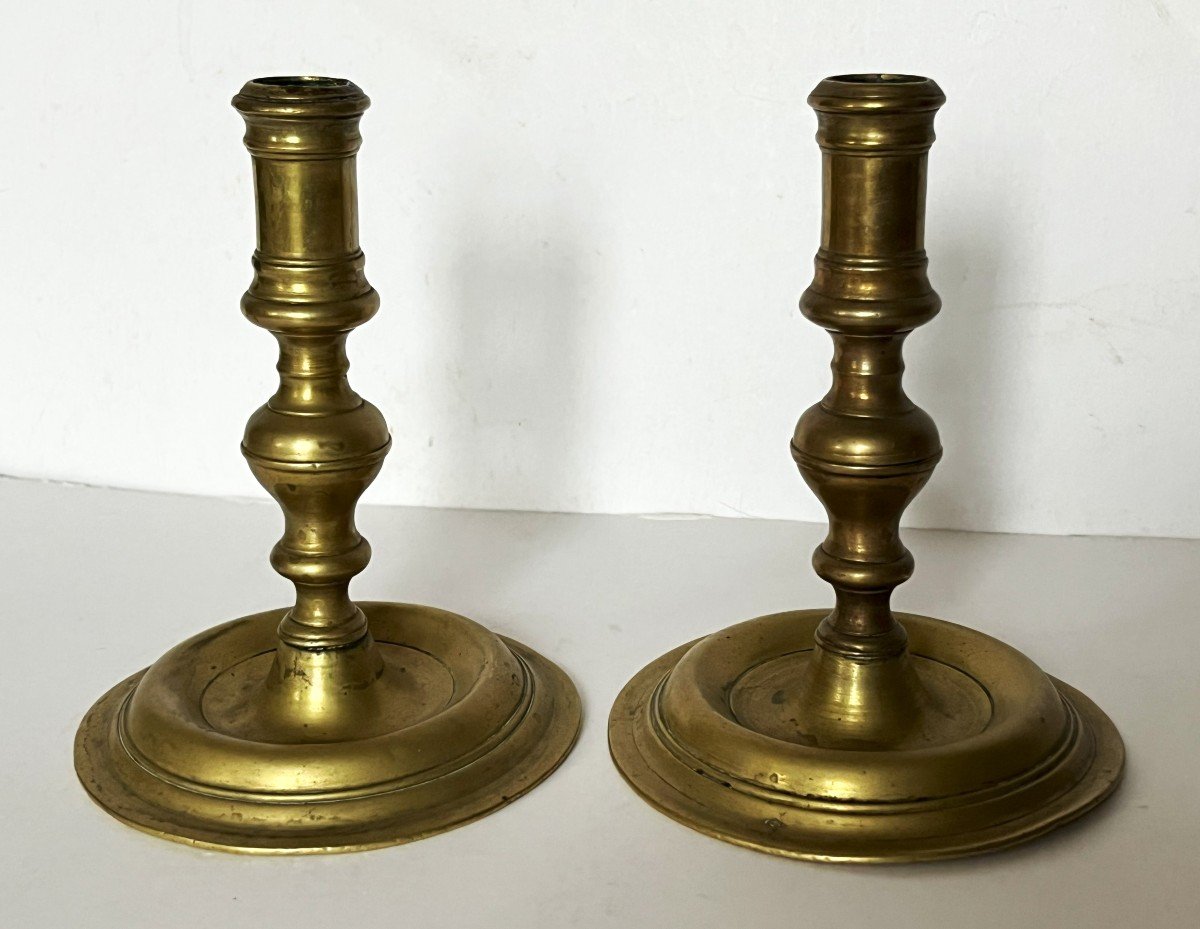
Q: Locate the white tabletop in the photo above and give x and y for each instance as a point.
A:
(98, 583)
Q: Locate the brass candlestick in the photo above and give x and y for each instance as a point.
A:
(329, 726)
(844, 735)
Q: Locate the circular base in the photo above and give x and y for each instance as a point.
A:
(224, 744)
(722, 735)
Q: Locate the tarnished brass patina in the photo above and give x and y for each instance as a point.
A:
(332, 725)
(856, 734)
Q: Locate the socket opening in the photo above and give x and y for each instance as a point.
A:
(879, 79)
(301, 81)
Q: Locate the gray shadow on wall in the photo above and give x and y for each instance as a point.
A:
(510, 356)
(515, 362)
(956, 372)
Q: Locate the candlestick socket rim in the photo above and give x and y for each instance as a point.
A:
(306, 96)
(876, 92)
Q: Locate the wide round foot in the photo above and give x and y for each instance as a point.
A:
(224, 745)
(718, 735)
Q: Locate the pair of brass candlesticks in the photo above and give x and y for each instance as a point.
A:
(834, 735)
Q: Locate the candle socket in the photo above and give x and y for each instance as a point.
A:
(856, 734)
(330, 725)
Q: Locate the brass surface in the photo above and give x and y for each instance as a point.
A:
(329, 726)
(853, 734)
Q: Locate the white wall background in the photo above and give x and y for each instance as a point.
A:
(590, 223)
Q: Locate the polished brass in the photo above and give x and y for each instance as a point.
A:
(855, 734)
(330, 726)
